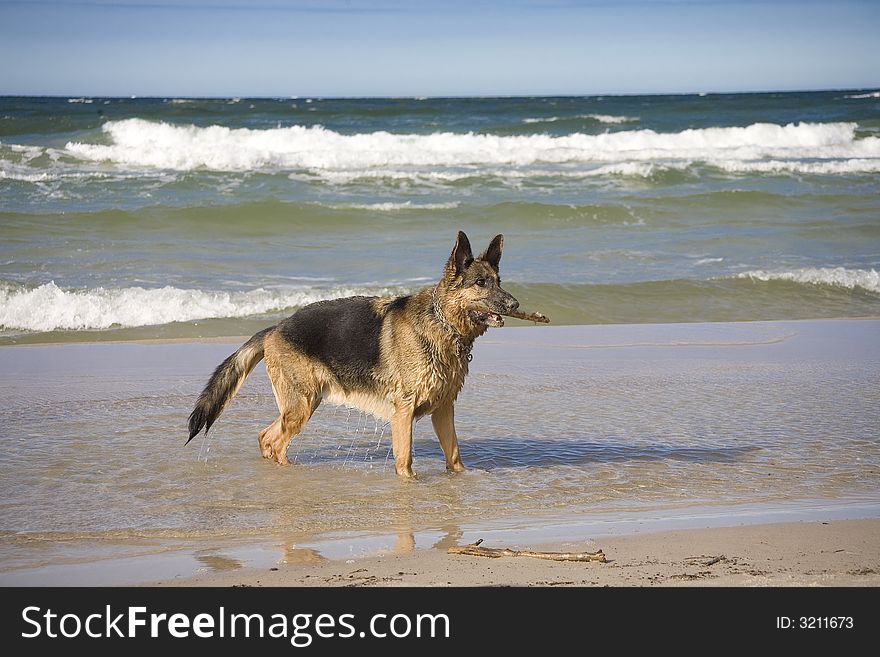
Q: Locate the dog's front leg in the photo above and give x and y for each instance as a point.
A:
(443, 420)
(401, 437)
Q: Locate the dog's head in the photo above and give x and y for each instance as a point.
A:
(471, 287)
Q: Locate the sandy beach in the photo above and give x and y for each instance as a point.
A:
(821, 553)
(738, 454)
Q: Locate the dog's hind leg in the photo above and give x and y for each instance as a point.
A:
(268, 437)
(275, 439)
(295, 407)
(443, 420)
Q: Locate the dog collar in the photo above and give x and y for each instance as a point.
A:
(464, 351)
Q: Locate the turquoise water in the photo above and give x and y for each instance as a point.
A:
(144, 217)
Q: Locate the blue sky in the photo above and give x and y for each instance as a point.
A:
(434, 48)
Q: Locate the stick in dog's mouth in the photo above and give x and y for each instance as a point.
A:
(487, 317)
(531, 317)
(496, 319)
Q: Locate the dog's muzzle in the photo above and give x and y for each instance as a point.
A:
(491, 315)
(486, 317)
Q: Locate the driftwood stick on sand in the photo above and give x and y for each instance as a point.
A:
(475, 550)
(531, 317)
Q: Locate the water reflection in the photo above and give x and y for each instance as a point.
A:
(218, 563)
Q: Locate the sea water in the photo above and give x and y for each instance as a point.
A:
(187, 217)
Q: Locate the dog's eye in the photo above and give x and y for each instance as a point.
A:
(480, 282)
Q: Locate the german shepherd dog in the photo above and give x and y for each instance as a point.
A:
(398, 358)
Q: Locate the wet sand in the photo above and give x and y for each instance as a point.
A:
(821, 553)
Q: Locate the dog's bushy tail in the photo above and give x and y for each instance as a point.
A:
(224, 383)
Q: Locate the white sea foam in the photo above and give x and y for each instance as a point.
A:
(639, 169)
(601, 118)
(803, 147)
(508, 175)
(8, 171)
(512, 175)
(27, 151)
(50, 307)
(830, 167)
(607, 118)
(18, 172)
(394, 207)
(873, 94)
(866, 279)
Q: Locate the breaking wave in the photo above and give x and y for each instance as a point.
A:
(813, 148)
(50, 307)
(866, 279)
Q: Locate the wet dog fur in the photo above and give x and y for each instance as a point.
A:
(398, 358)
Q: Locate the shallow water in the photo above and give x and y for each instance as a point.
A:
(557, 425)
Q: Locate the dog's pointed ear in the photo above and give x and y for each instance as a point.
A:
(492, 255)
(461, 256)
